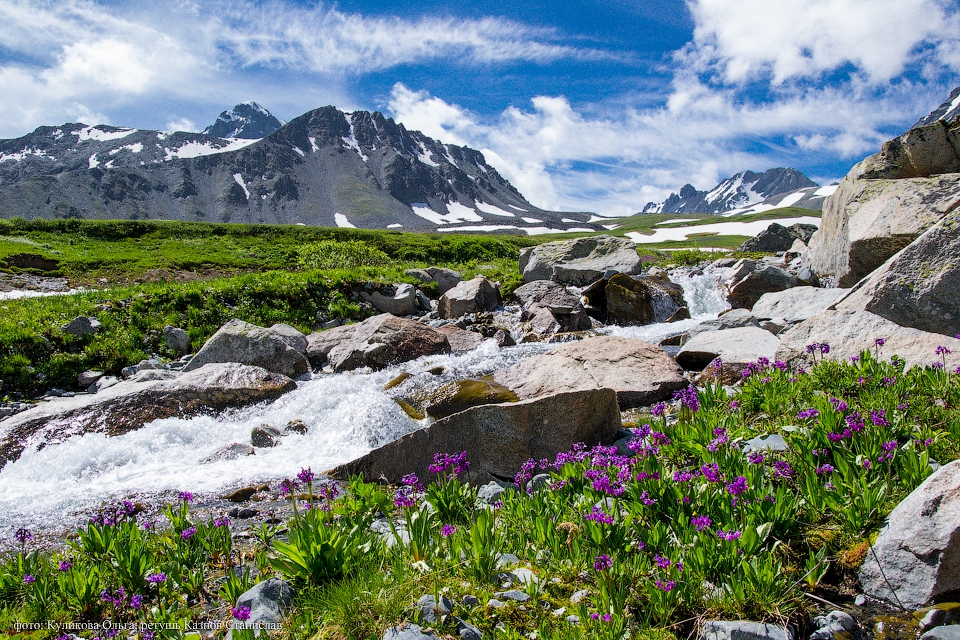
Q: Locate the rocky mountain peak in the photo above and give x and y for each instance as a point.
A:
(741, 190)
(949, 111)
(247, 120)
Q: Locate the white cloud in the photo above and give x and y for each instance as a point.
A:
(799, 38)
(181, 124)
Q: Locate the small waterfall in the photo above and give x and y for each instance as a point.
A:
(705, 298)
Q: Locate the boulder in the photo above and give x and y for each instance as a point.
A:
(865, 222)
(774, 238)
(564, 307)
(89, 377)
(634, 301)
(732, 319)
(292, 336)
(177, 339)
(230, 452)
(498, 438)
(850, 332)
(408, 632)
(245, 343)
(948, 632)
(920, 152)
(836, 625)
(377, 342)
(581, 261)
(430, 609)
(471, 296)
(803, 232)
(918, 287)
(638, 371)
(82, 326)
(748, 280)
(401, 301)
(461, 340)
(796, 304)
(744, 630)
(446, 279)
(267, 601)
(916, 557)
(130, 404)
(732, 346)
(460, 395)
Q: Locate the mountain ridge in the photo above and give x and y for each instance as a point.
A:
(736, 192)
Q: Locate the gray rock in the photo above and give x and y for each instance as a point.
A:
(918, 287)
(796, 304)
(940, 614)
(498, 438)
(640, 373)
(578, 596)
(408, 632)
(748, 280)
(467, 631)
(641, 300)
(539, 482)
(522, 575)
(431, 610)
(88, 378)
(776, 237)
(377, 342)
(490, 493)
(732, 346)
(469, 601)
(245, 343)
(573, 619)
(290, 335)
(402, 302)
(563, 307)
(773, 442)
(513, 594)
(265, 436)
(916, 557)
(446, 279)
(103, 383)
(732, 319)
(744, 630)
(423, 302)
(129, 405)
(581, 261)
(493, 603)
(177, 339)
(507, 560)
(837, 625)
(948, 632)
(472, 296)
(267, 601)
(82, 326)
(461, 340)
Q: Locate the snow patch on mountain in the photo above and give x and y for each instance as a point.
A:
(342, 221)
(197, 149)
(247, 120)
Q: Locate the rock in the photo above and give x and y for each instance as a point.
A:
(774, 238)
(446, 279)
(460, 395)
(408, 631)
(498, 438)
(635, 301)
(836, 625)
(88, 378)
(177, 339)
(143, 365)
(918, 287)
(503, 338)
(245, 343)
(265, 436)
(578, 596)
(490, 492)
(732, 319)
(129, 405)
(563, 307)
(467, 631)
(916, 557)
(581, 261)
(773, 442)
(539, 482)
(638, 371)
(796, 250)
(241, 495)
(243, 514)
(103, 383)
(807, 277)
(431, 610)
(230, 452)
(920, 152)
(377, 342)
(748, 280)
(493, 603)
(402, 301)
(744, 630)
(796, 304)
(82, 326)
(472, 296)
(461, 340)
(267, 601)
(732, 346)
(938, 615)
(850, 332)
(949, 632)
(513, 594)
(292, 336)
(865, 222)
(470, 601)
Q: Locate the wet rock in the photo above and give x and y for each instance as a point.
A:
(744, 630)
(732, 346)
(551, 308)
(177, 339)
(938, 615)
(916, 557)
(265, 436)
(836, 625)
(401, 301)
(460, 395)
(129, 405)
(241, 495)
(748, 280)
(581, 261)
(243, 513)
(245, 343)
(399, 380)
(471, 296)
(636, 301)
(377, 342)
(82, 326)
(461, 340)
(297, 426)
(230, 452)
(640, 373)
(732, 319)
(796, 304)
(498, 438)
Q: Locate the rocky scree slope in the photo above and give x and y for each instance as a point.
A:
(738, 191)
(324, 168)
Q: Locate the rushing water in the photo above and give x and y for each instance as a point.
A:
(348, 414)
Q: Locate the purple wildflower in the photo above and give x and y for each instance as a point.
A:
(942, 351)
(756, 457)
(240, 613)
(729, 535)
(781, 469)
(659, 409)
(289, 487)
(186, 534)
(136, 601)
(186, 496)
(448, 530)
(824, 468)
(305, 476)
(700, 522)
(738, 487)
(65, 565)
(28, 578)
(602, 562)
(711, 472)
(221, 522)
(599, 515)
(807, 413)
(879, 418)
(665, 586)
(22, 535)
(157, 578)
(663, 563)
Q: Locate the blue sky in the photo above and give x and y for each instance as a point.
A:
(599, 105)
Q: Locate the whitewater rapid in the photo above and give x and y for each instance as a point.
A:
(348, 414)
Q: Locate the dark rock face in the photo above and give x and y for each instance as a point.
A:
(551, 307)
(735, 192)
(248, 120)
(635, 301)
(777, 237)
(751, 279)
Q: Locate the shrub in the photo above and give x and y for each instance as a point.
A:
(348, 254)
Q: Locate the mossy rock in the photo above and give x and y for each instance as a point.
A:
(400, 379)
(462, 394)
(409, 409)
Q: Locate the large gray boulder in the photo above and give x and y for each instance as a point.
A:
(922, 151)
(245, 343)
(461, 340)
(82, 326)
(918, 287)
(639, 372)
(744, 630)
(917, 555)
(641, 300)
(850, 332)
(130, 404)
(267, 601)
(177, 339)
(376, 342)
(471, 296)
(581, 261)
(401, 301)
(446, 279)
(498, 438)
(748, 280)
(733, 346)
(777, 237)
(561, 308)
(796, 304)
(732, 319)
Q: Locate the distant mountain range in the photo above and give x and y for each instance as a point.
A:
(741, 192)
(324, 168)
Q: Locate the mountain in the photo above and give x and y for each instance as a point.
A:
(948, 111)
(739, 191)
(248, 120)
(323, 168)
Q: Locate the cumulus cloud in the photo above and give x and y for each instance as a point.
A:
(181, 124)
